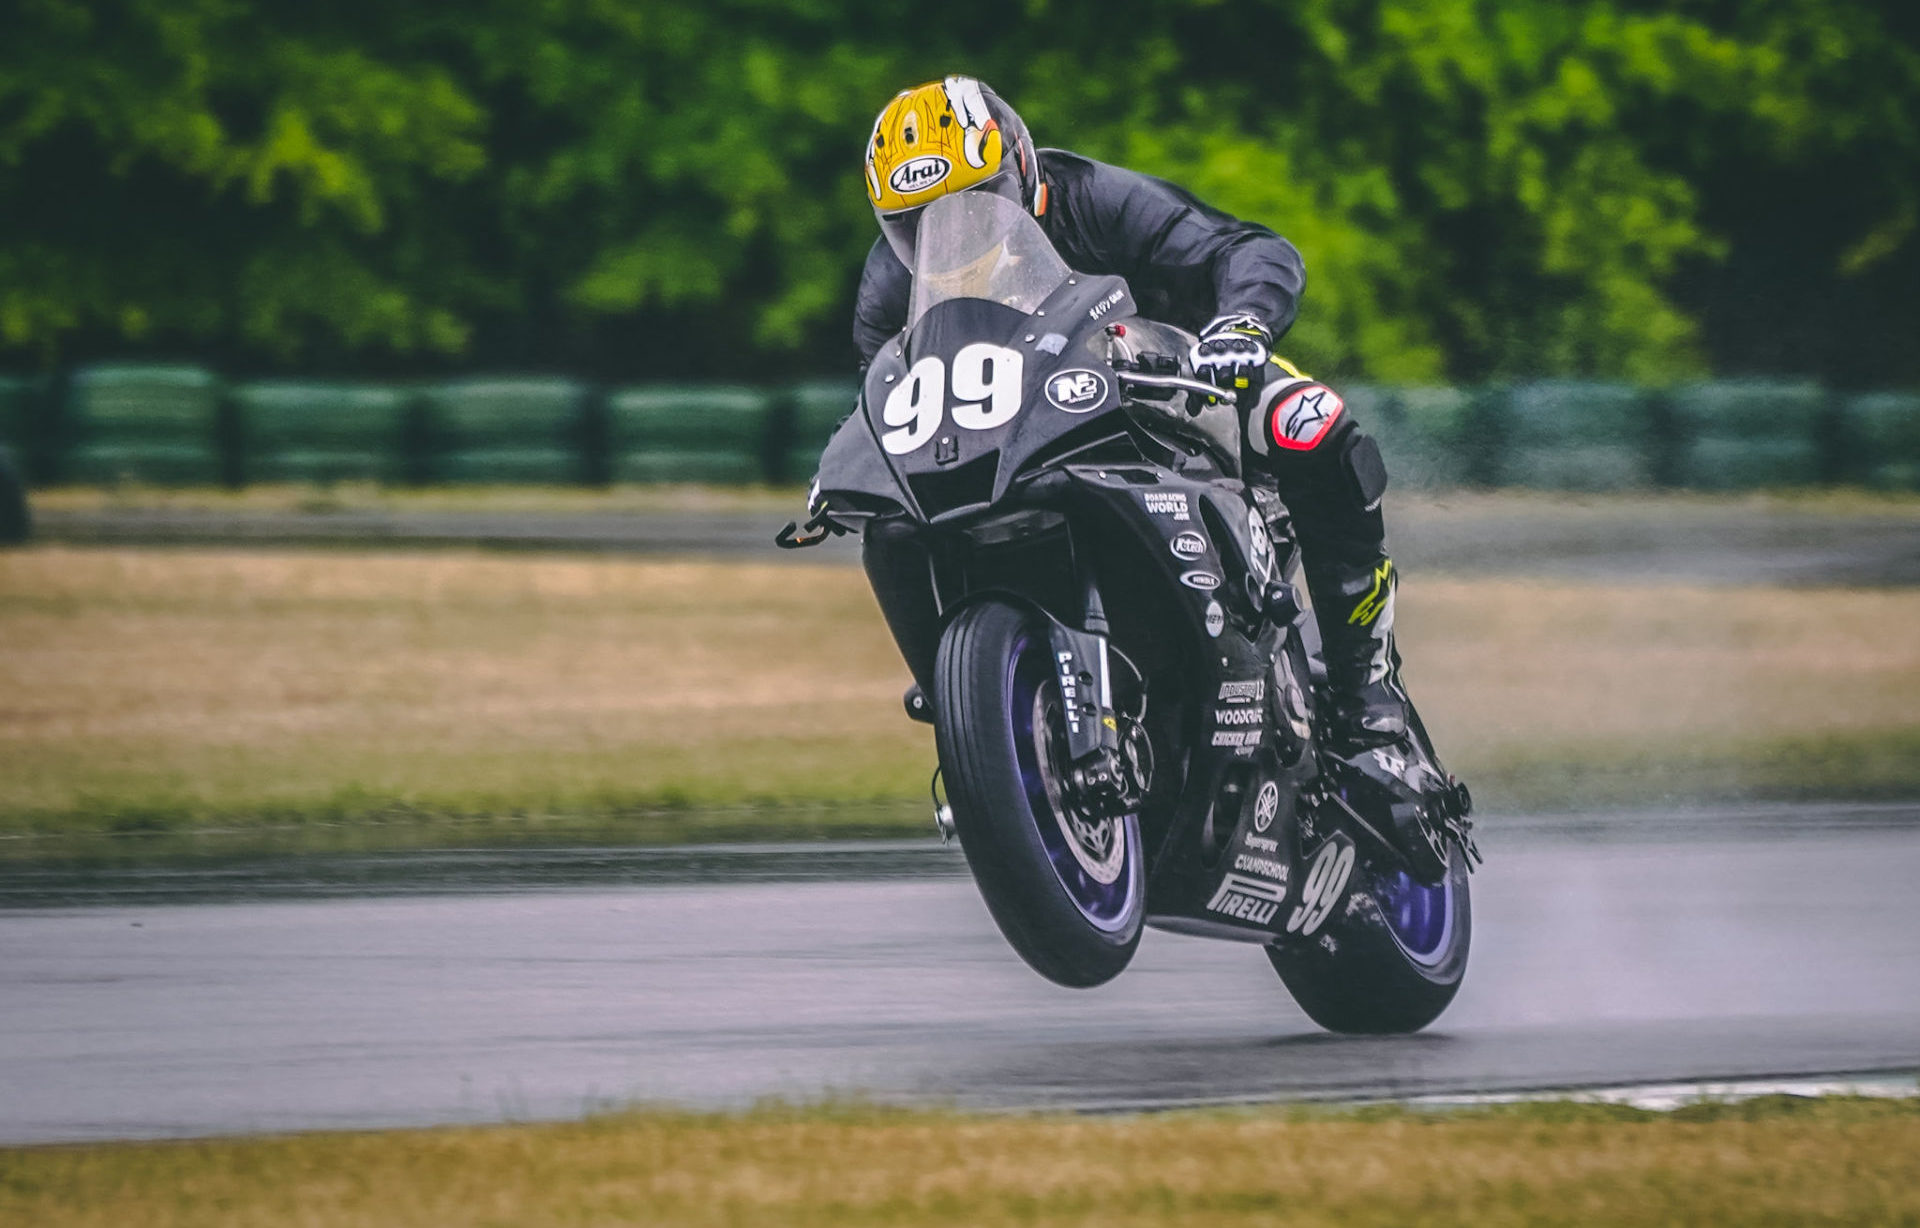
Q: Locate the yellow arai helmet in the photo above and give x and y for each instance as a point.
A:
(946, 136)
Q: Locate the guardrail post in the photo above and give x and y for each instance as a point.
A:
(16, 521)
(1837, 456)
(1483, 440)
(1666, 441)
(418, 440)
(595, 437)
(47, 432)
(230, 438)
(779, 429)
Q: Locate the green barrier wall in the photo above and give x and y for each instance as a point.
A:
(1741, 434)
(692, 433)
(323, 432)
(1880, 438)
(1572, 435)
(185, 426)
(1422, 432)
(818, 411)
(505, 430)
(158, 424)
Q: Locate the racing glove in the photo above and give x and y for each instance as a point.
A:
(1232, 354)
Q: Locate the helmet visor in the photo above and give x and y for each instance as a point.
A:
(902, 228)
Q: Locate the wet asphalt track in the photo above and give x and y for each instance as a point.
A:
(475, 987)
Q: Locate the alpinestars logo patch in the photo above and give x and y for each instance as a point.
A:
(1368, 611)
(1304, 418)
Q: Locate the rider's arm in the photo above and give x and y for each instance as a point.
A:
(880, 310)
(1154, 230)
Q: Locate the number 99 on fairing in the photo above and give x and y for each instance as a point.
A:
(985, 381)
(1331, 869)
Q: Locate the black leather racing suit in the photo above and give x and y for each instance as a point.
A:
(1187, 264)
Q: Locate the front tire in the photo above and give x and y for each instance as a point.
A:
(1394, 958)
(1068, 892)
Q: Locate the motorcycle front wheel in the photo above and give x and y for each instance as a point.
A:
(1067, 889)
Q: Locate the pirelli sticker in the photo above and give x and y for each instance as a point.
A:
(1245, 898)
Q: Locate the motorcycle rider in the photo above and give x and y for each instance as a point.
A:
(1235, 284)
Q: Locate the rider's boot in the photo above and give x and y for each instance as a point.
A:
(1332, 479)
(1353, 601)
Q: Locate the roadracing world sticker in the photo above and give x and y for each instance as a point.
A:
(1168, 503)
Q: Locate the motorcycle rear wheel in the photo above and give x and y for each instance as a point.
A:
(1068, 892)
(1393, 959)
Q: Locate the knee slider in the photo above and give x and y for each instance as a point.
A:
(1311, 445)
(1366, 470)
(1292, 417)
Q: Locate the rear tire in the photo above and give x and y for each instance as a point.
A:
(1391, 961)
(1068, 894)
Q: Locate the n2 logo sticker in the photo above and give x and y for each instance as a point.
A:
(1077, 391)
(1331, 869)
(985, 380)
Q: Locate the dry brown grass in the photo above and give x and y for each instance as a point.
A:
(1831, 1162)
(1509, 668)
(229, 680)
(198, 686)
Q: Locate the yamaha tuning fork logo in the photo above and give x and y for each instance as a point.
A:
(1266, 806)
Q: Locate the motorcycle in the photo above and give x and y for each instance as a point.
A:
(1124, 690)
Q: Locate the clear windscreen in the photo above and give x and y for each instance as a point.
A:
(979, 245)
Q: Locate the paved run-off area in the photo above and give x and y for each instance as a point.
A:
(1666, 948)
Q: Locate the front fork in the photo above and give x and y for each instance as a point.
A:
(1108, 776)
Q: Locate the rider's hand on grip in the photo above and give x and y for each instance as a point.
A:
(1232, 354)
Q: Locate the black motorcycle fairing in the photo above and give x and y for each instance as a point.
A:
(854, 478)
(1229, 864)
(1202, 530)
(1224, 861)
(952, 426)
(1239, 526)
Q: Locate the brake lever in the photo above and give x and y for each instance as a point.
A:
(1181, 383)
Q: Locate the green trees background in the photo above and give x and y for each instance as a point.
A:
(655, 187)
